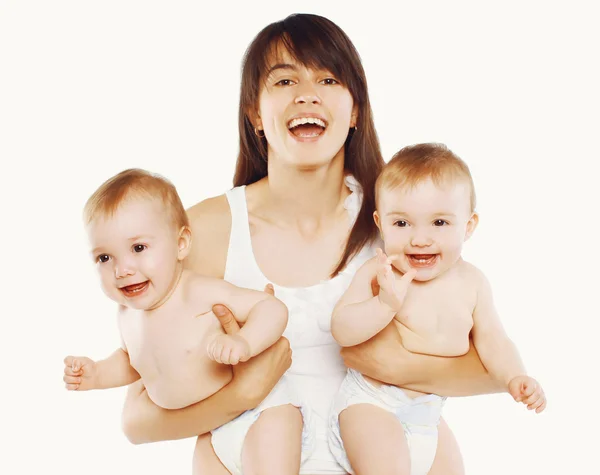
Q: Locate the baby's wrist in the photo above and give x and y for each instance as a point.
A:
(386, 307)
(508, 379)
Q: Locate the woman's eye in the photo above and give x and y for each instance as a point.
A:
(401, 224)
(284, 82)
(102, 258)
(330, 81)
(440, 222)
(139, 247)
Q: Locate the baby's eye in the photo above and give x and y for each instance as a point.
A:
(139, 247)
(401, 223)
(102, 258)
(330, 81)
(440, 222)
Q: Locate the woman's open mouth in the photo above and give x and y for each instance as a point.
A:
(306, 127)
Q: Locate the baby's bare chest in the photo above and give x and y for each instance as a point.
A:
(171, 345)
(443, 308)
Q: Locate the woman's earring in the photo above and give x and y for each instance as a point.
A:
(257, 132)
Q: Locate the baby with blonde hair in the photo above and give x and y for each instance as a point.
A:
(425, 201)
(139, 236)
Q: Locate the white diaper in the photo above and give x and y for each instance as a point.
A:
(228, 440)
(419, 418)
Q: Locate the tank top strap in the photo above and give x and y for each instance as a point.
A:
(241, 268)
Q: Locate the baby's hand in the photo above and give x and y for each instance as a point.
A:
(391, 292)
(80, 373)
(528, 391)
(229, 349)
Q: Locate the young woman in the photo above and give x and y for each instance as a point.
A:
(300, 217)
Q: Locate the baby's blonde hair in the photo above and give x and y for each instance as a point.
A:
(416, 163)
(135, 182)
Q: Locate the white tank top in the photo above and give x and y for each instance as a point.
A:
(317, 368)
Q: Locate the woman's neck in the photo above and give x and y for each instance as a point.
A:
(310, 200)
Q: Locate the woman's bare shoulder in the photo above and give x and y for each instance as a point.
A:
(210, 222)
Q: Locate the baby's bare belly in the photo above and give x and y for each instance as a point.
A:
(186, 386)
(447, 339)
(446, 344)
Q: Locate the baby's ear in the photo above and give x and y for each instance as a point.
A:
(184, 242)
(377, 219)
(471, 225)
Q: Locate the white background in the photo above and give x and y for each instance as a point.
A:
(88, 89)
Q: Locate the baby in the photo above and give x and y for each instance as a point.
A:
(139, 236)
(425, 201)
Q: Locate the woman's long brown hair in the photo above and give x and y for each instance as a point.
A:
(317, 43)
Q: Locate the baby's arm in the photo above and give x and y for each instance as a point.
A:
(499, 354)
(264, 317)
(82, 373)
(359, 315)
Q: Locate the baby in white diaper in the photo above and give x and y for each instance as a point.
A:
(425, 201)
(139, 238)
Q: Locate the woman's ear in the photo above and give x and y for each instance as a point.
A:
(354, 117)
(254, 118)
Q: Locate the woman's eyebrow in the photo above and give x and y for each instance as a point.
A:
(281, 66)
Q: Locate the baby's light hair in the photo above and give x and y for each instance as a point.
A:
(135, 182)
(416, 163)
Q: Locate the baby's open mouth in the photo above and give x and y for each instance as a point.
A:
(422, 260)
(134, 289)
(307, 126)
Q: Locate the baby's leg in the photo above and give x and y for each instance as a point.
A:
(374, 441)
(448, 460)
(273, 444)
(205, 461)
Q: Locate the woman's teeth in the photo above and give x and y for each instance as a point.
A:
(306, 120)
(306, 127)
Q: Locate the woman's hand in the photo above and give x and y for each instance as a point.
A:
(254, 379)
(380, 358)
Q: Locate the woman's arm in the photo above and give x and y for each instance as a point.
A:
(144, 422)
(384, 358)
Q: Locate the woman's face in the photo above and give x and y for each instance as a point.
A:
(305, 114)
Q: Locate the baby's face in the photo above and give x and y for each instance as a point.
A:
(136, 252)
(425, 226)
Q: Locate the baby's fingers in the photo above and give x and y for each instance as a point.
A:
(408, 276)
(69, 371)
(211, 350)
(224, 355)
(542, 407)
(71, 382)
(528, 390)
(382, 259)
(538, 395)
(537, 403)
(531, 393)
(72, 365)
(234, 357)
